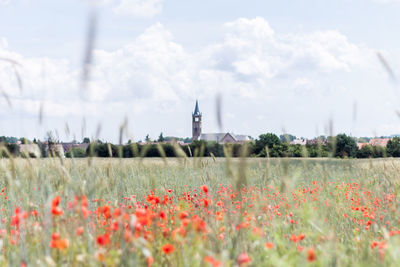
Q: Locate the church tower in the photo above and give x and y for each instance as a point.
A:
(196, 123)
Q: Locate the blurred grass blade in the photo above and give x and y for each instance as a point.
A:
(386, 66)
(7, 98)
(12, 61)
(88, 54)
(19, 80)
(83, 128)
(98, 131)
(218, 106)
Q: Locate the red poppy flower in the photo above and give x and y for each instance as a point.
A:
(204, 188)
(311, 255)
(269, 245)
(243, 258)
(79, 231)
(168, 248)
(103, 240)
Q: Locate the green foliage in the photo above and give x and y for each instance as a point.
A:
(366, 151)
(393, 147)
(161, 138)
(8, 139)
(341, 146)
(102, 150)
(8, 150)
(321, 209)
(287, 138)
(76, 152)
(346, 146)
(295, 151)
(269, 140)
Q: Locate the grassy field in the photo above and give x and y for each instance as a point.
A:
(199, 212)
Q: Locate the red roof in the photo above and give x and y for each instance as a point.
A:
(379, 141)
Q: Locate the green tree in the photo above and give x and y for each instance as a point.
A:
(295, 151)
(346, 146)
(393, 147)
(24, 140)
(147, 139)
(266, 140)
(76, 152)
(366, 151)
(86, 140)
(161, 138)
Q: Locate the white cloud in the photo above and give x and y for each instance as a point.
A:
(139, 8)
(154, 74)
(4, 2)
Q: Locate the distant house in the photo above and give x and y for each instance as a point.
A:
(361, 145)
(223, 138)
(302, 142)
(382, 142)
(316, 141)
(171, 142)
(53, 149)
(379, 141)
(30, 150)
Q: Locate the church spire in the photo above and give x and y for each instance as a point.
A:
(196, 109)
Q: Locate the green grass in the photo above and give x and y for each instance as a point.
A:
(31, 184)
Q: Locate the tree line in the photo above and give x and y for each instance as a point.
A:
(266, 145)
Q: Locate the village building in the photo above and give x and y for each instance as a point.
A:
(30, 150)
(302, 142)
(54, 150)
(196, 122)
(381, 142)
(221, 138)
(361, 145)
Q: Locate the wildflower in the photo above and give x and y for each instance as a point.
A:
(296, 239)
(55, 209)
(183, 215)
(311, 255)
(243, 258)
(58, 243)
(204, 188)
(79, 231)
(269, 245)
(103, 240)
(168, 248)
(162, 215)
(212, 261)
(150, 261)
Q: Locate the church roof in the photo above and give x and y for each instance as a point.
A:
(196, 109)
(242, 137)
(224, 137)
(216, 137)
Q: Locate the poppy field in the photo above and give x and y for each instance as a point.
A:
(199, 212)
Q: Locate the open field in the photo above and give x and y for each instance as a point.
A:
(199, 212)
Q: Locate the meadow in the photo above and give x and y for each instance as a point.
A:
(199, 212)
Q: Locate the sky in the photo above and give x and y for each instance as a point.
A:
(288, 66)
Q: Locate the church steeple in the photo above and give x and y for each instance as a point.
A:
(196, 109)
(196, 122)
